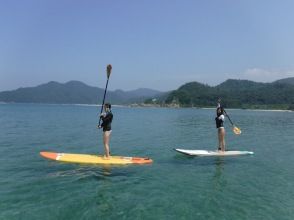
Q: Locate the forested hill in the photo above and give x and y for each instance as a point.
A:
(74, 92)
(236, 94)
(286, 80)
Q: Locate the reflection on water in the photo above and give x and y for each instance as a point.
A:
(84, 172)
(218, 178)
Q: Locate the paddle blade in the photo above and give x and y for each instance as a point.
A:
(108, 70)
(236, 130)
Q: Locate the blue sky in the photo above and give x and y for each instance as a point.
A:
(159, 44)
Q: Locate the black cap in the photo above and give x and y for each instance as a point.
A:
(107, 105)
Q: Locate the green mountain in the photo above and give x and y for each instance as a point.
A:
(73, 92)
(286, 80)
(236, 94)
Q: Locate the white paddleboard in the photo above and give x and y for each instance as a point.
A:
(213, 153)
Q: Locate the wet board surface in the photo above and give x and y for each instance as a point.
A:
(212, 153)
(94, 159)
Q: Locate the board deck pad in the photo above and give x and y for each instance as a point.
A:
(94, 159)
(213, 153)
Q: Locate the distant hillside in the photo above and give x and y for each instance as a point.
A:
(73, 92)
(236, 94)
(286, 80)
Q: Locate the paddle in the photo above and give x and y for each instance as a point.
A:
(108, 71)
(236, 130)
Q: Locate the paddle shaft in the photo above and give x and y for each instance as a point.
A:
(229, 118)
(219, 100)
(108, 71)
(235, 129)
(103, 100)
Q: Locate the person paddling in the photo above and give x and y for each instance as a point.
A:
(219, 120)
(106, 118)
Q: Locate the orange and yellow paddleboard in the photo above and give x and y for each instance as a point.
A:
(94, 159)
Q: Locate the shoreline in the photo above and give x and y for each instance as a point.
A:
(148, 106)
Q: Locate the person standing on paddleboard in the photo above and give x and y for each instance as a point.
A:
(219, 120)
(106, 118)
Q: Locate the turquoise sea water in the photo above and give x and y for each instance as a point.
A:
(173, 187)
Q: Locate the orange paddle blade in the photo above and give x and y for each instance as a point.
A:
(236, 130)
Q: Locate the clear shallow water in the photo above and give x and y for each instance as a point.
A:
(173, 187)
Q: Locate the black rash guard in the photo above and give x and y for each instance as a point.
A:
(106, 121)
(219, 121)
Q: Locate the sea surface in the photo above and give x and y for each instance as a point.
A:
(175, 186)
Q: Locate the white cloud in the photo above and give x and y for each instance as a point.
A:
(263, 75)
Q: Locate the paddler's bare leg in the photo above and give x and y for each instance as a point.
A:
(106, 138)
(222, 139)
